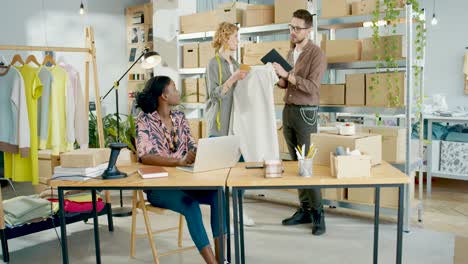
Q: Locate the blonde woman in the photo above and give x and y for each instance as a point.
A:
(222, 74)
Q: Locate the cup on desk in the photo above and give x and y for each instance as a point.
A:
(273, 168)
(306, 167)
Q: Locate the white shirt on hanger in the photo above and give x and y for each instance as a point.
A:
(254, 119)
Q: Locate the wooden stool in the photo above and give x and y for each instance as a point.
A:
(139, 202)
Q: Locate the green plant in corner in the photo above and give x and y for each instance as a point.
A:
(127, 130)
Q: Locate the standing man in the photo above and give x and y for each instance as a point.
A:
(300, 113)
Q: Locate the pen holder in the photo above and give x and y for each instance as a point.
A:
(306, 167)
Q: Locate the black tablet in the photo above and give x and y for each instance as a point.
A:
(274, 56)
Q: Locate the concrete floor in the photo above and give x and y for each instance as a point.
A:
(348, 240)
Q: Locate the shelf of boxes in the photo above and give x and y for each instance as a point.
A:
(354, 21)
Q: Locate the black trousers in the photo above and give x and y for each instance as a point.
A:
(298, 123)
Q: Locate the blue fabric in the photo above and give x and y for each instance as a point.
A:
(439, 131)
(457, 137)
(188, 203)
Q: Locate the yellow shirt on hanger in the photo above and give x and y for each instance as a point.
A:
(57, 138)
(27, 169)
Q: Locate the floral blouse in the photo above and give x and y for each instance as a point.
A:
(153, 137)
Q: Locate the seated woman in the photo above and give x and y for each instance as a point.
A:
(163, 139)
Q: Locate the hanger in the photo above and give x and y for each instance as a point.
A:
(15, 59)
(3, 61)
(48, 59)
(32, 58)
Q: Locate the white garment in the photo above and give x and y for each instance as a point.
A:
(77, 119)
(254, 119)
(296, 54)
(14, 119)
(231, 68)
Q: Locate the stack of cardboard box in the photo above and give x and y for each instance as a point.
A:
(193, 90)
(366, 89)
(197, 128)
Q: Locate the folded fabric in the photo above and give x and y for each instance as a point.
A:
(20, 206)
(73, 195)
(81, 197)
(23, 209)
(74, 207)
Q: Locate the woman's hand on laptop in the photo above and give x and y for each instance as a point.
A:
(188, 159)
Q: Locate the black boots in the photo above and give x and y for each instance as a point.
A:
(301, 216)
(318, 222)
(306, 216)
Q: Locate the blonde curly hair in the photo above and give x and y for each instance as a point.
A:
(224, 31)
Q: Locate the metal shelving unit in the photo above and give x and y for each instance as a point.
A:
(331, 25)
(405, 16)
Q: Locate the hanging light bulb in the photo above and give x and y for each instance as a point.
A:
(434, 20)
(81, 8)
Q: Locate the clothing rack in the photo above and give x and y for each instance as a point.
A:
(90, 51)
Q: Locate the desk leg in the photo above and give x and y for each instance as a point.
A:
(240, 193)
(63, 226)
(429, 159)
(236, 224)
(228, 225)
(400, 224)
(221, 224)
(376, 224)
(96, 228)
(110, 220)
(6, 254)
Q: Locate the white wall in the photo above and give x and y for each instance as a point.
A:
(23, 24)
(446, 44)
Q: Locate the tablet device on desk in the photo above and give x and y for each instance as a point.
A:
(274, 56)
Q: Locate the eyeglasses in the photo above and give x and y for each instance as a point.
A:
(296, 29)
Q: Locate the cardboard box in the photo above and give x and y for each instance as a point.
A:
(232, 12)
(257, 15)
(284, 9)
(380, 94)
(205, 53)
(203, 133)
(209, 21)
(253, 52)
(335, 8)
(190, 90)
(38, 189)
(85, 158)
(393, 142)
(190, 55)
(332, 94)
(333, 194)
(47, 163)
(278, 95)
(460, 254)
(201, 90)
(356, 89)
(283, 146)
(199, 22)
(388, 196)
(342, 50)
(343, 167)
(327, 142)
(195, 128)
(370, 53)
(363, 7)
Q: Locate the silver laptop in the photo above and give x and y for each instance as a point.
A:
(215, 153)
